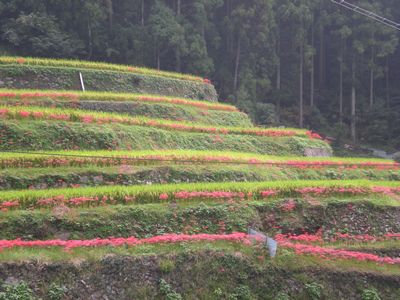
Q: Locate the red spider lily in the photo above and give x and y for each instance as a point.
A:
(24, 114)
(336, 253)
(269, 193)
(131, 241)
(163, 196)
(288, 206)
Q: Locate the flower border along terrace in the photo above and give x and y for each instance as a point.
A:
(236, 237)
(88, 196)
(116, 158)
(57, 114)
(30, 97)
(77, 64)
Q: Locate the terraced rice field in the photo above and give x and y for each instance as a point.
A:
(139, 196)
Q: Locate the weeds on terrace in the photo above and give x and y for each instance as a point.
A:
(32, 96)
(188, 192)
(65, 63)
(107, 118)
(108, 158)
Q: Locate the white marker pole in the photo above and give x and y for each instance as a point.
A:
(82, 84)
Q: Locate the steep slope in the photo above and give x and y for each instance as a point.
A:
(108, 195)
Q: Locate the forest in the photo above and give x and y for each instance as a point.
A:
(303, 63)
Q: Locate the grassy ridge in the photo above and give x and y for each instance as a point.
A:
(74, 96)
(55, 177)
(83, 157)
(74, 115)
(20, 76)
(151, 193)
(284, 260)
(66, 63)
(219, 268)
(59, 135)
(206, 216)
(148, 109)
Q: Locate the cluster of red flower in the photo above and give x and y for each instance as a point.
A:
(131, 241)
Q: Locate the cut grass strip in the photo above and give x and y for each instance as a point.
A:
(183, 192)
(37, 113)
(30, 96)
(66, 63)
(112, 158)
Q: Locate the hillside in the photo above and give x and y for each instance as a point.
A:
(146, 190)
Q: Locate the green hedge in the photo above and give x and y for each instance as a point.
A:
(53, 78)
(58, 135)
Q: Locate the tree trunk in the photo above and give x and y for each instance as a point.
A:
(312, 82)
(142, 10)
(353, 101)
(278, 65)
(237, 63)
(371, 80)
(341, 68)
(178, 66)
(158, 57)
(301, 121)
(387, 82)
(321, 77)
(178, 7)
(110, 12)
(90, 40)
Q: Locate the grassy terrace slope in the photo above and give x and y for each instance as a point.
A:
(32, 73)
(61, 135)
(143, 192)
(93, 168)
(152, 106)
(187, 192)
(54, 177)
(206, 270)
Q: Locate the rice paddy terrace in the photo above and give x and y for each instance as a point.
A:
(144, 187)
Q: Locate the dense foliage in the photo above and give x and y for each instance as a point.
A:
(265, 56)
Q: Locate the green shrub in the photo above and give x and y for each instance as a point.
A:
(166, 265)
(241, 292)
(370, 294)
(167, 291)
(282, 296)
(314, 290)
(56, 292)
(20, 291)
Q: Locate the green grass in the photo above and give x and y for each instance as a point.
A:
(92, 175)
(150, 110)
(74, 96)
(65, 63)
(204, 216)
(285, 259)
(77, 115)
(150, 193)
(194, 155)
(58, 135)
